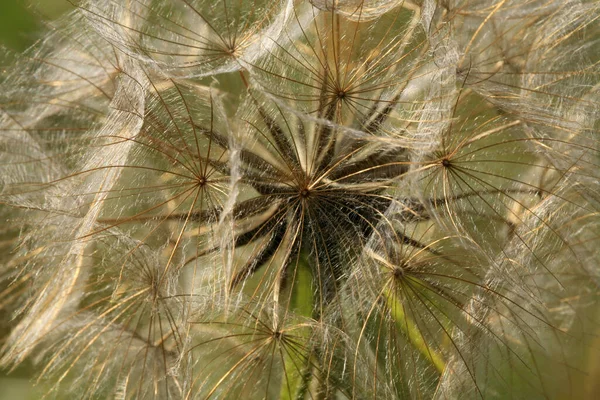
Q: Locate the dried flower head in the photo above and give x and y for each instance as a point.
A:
(295, 199)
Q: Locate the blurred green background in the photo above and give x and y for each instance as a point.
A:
(22, 22)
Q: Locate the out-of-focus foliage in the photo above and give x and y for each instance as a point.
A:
(21, 22)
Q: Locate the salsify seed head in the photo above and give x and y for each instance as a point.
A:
(363, 199)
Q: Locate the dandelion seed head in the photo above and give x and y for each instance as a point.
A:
(304, 199)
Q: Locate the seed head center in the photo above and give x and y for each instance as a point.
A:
(304, 193)
(398, 272)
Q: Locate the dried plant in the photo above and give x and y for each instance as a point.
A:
(362, 199)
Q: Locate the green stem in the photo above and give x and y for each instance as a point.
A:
(294, 384)
(412, 331)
